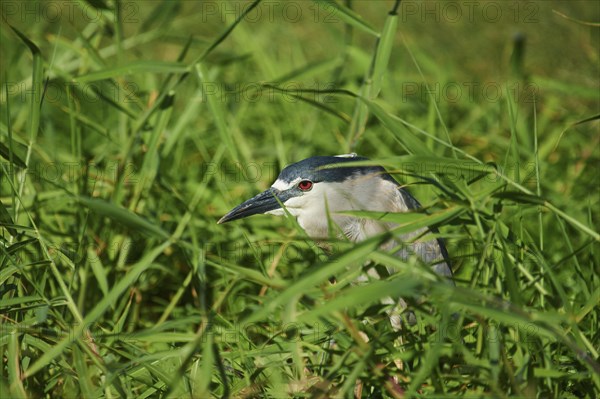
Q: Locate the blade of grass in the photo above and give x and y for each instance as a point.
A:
(123, 216)
(83, 375)
(151, 161)
(382, 53)
(202, 371)
(35, 104)
(14, 365)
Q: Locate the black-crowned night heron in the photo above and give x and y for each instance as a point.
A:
(317, 195)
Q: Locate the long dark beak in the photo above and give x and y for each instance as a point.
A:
(263, 202)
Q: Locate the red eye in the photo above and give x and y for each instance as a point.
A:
(305, 185)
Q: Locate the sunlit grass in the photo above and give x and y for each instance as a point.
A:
(123, 143)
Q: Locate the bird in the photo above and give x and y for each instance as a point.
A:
(317, 190)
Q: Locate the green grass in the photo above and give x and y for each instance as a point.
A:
(126, 133)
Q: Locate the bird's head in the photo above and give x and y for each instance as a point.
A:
(313, 193)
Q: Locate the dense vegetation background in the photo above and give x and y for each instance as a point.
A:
(129, 127)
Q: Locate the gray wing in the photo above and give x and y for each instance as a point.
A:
(433, 250)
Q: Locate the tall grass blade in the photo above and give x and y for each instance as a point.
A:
(383, 53)
(123, 216)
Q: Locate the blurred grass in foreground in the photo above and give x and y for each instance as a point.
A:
(127, 131)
